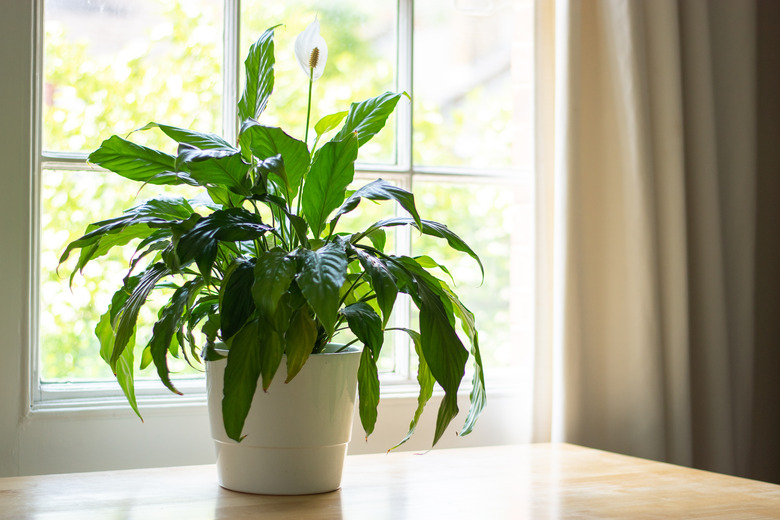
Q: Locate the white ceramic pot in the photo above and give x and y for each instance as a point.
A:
(296, 434)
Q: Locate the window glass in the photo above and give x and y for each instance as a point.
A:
(111, 66)
(472, 72)
(496, 221)
(362, 56)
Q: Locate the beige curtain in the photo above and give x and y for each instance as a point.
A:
(649, 286)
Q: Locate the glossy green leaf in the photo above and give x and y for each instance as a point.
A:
(271, 352)
(267, 141)
(259, 66)
(366, 325)
(242, 373)
(368, 117)
(329, 122)
(128, 314)
(104, 331)
(382, 281)
(299, 341)
(331, 172)
(368, 391)
(443, 351)
(273, 275)
(235, 297)
(137, 162)
(167, 325)
(425, 381)
(430, 228)
(204, 141)
(381, 190)
(320, 278)
(216, 168)
(230, 225)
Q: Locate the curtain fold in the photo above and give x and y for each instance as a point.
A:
(646, 169)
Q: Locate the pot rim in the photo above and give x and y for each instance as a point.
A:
(352, 349)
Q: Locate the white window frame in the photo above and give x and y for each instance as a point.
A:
(88, 426)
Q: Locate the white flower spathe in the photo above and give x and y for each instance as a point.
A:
(311, 51)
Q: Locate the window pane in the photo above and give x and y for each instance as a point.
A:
(69, 349)
(361, 38)
(473, 67)
(111, 66)
(496, 221)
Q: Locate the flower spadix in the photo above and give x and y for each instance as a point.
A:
(311, 51)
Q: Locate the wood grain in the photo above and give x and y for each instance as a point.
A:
(558, 481)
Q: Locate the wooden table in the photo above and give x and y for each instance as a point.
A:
(532, 481)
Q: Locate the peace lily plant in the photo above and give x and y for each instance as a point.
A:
(259, 262)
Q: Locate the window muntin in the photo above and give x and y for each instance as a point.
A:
(443, 193)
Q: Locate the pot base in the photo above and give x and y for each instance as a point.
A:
(296, 471)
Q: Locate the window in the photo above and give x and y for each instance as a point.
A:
(464, 145)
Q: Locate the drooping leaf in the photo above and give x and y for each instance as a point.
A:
(271, 352)
(429, 227)
(230, 225)
(272, 277)
(331, 172)
(424, 379)
(137, 162)
(366, 325)
(235, 297)
(259, 66)
(382, 281)
(266, 141)
(242, 373)
(380, 190)
(368, 117)
(368, 391)
(128, 314)
(299, 341)
(104, 331)
(164, 330)
(443, 351)
(204, 141)
(321, 276)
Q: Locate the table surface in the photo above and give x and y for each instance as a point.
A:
(550, 481)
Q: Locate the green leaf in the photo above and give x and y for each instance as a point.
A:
(429, 227)
(267, 141)
(424, 379)
(368, 117)
(366, 325)
(235, 297)
(331, 172)
(230, 225)
(166, 327)
(382, 281)
(443, 351)
(380, 190)
(259, 67)
(216, 168)
(378, 239)
(321, 276)
(137, 162)
(368, 391)
(241, 375)
(299, 341)
(271, 352)
(105, 334)
(329, 122)
(128, 314)
(191, 137)
(273, 275)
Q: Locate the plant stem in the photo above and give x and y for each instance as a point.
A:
(308, 108)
